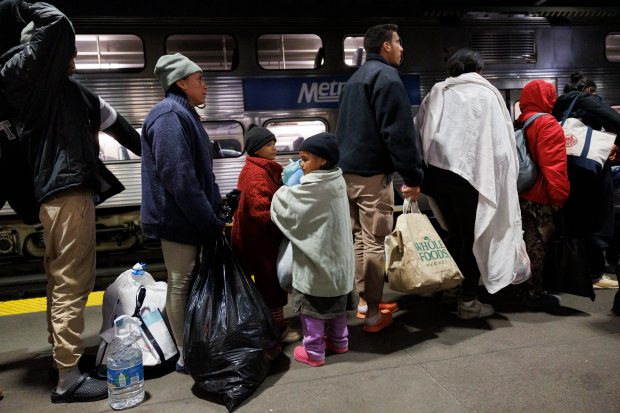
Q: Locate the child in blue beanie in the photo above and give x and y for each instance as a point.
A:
(314, 216)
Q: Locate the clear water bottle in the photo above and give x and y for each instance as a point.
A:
(125, 370)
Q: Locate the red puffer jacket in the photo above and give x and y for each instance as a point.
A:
(255, 238)
(546, 144)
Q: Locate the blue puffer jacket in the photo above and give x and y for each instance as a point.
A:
(375, 126)
(179, 193)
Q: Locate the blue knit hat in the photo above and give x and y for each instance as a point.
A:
(324, 146)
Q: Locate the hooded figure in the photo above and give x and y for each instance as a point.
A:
(546, 143)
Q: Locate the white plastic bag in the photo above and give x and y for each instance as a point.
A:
(136, 293)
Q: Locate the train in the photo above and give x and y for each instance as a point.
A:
(286, 73)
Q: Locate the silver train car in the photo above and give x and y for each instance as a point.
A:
(286, 74)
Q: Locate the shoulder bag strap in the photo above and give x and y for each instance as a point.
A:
(528, 123)
(140, 294)
(569, 111)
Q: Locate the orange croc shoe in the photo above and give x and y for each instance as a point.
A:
(385, 320)
(391, 307)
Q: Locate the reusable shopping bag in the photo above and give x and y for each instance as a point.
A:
(417, 261)
(585, 147)
(230, 336)
(566, 269)
(136, 294)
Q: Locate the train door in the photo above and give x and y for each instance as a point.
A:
(511, 91)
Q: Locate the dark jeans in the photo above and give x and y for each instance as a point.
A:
(458, 202)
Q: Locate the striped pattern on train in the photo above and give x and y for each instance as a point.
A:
(517, 49)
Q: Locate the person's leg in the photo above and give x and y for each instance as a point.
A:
(464, 203)
(353, 190)
(313, 350)
(337, 335)
(70, 261)
(600, 209)
(537, 222)
(458, 202)
(376, 202)
(180, 260)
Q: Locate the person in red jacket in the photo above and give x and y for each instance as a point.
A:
(546, 144)
(255, 238)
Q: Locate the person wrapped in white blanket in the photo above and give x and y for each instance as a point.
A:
(470, 151)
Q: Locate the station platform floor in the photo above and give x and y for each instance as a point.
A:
(565, 360)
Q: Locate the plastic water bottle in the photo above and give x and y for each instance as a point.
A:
(125, 370)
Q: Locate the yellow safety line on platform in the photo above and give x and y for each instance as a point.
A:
(32, 305)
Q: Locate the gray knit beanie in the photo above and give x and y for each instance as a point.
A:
(173, 67)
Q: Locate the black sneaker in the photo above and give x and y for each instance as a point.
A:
(541, 301)
(85, 389)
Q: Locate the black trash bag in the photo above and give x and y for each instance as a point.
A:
(226, 210)
(230, 336)
(566, 268)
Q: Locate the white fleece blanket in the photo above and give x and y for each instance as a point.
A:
(466, 128)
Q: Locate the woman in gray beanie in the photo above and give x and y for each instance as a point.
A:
(179, 193)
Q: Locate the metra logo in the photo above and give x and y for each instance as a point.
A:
(431, 250)
(571, 140)
(320, 92)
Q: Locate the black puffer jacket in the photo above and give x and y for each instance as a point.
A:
(58, 119)
(591, 110)
(375, 129)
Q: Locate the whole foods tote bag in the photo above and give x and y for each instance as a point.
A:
(417, 261)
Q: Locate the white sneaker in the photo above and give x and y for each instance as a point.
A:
(605, 283)
(474, 309)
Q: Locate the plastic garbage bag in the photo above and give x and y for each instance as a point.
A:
(230, 336)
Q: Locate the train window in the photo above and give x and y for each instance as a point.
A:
(612, 47)
(227, 138)
(108, 52)
(209, 51)
(111, 150)
(290, 51)
(290, 133)
(354, 53)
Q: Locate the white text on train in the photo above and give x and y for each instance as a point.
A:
(320, 92)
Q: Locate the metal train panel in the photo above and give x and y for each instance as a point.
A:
(517, 47)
